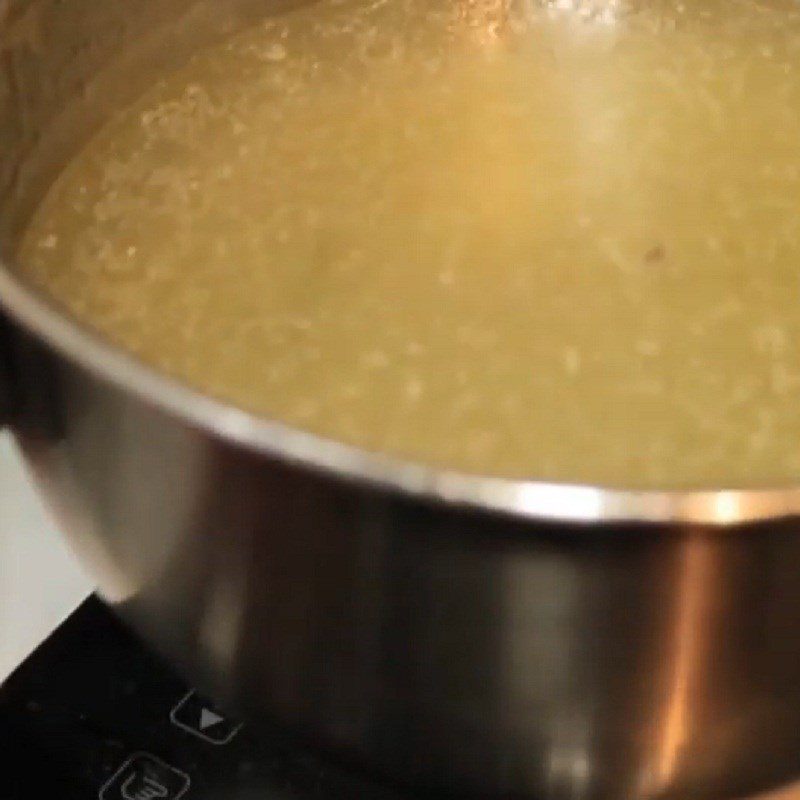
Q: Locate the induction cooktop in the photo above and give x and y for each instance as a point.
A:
(94, 715)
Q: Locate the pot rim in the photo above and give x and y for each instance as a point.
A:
(526, 499)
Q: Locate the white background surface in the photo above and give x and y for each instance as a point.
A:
(40, 583)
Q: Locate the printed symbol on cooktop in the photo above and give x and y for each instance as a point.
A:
(200, 718)
(145, 777)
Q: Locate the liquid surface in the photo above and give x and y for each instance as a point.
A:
(552, 240)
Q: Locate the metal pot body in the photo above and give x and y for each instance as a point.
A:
(437, 643)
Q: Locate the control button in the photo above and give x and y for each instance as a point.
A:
(208, 719)
(145, 777)
(200, 718)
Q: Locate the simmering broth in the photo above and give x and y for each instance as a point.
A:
(552, 240)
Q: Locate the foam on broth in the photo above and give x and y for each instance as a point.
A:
(552, 240)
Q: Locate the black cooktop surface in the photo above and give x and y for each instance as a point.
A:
(92, 714)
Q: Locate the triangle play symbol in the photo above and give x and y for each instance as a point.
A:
(208, 718)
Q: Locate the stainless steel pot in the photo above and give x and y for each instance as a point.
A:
(483, 636)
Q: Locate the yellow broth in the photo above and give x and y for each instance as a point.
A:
(550, 240)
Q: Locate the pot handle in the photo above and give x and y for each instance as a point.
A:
(6, 372)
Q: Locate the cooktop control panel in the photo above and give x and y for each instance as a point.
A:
(92, 715)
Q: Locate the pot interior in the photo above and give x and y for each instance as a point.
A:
(66, 67)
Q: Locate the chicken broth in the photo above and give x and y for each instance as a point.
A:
(554, 240)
